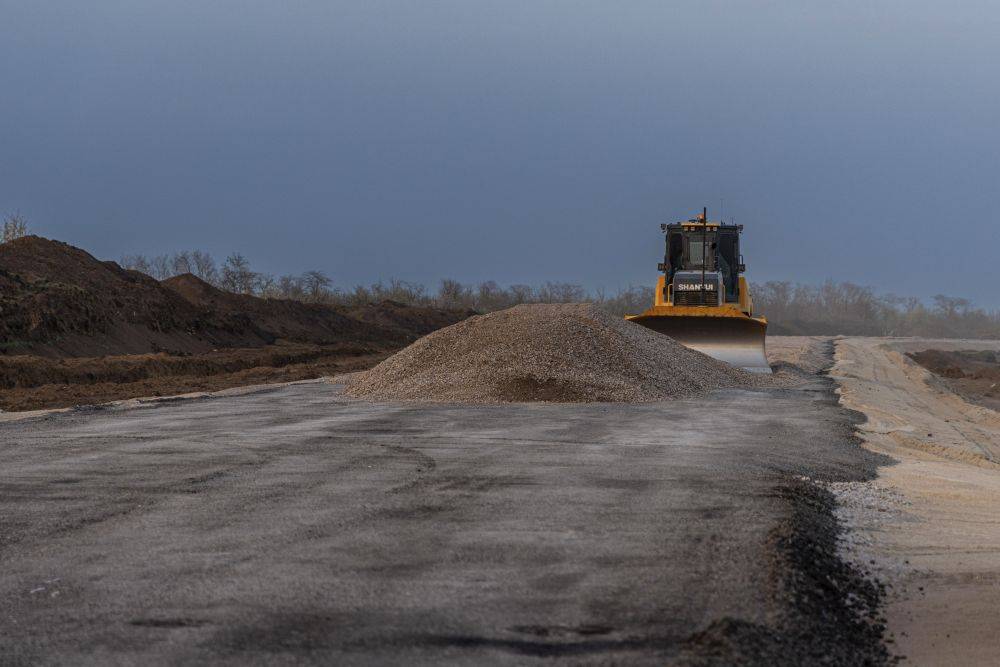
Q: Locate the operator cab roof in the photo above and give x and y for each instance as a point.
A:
(697, 224)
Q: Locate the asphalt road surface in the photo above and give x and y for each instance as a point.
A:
(296, 526)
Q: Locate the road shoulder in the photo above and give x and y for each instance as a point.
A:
(928, 525)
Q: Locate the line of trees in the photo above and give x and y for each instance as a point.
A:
(855, 310)
(792, 308)
(236, 275)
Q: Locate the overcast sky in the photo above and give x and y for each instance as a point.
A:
(515, 141)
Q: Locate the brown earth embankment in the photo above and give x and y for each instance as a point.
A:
(972, 374)
(34, 383)
(74, 329)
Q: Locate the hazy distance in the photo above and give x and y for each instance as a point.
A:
(513, 141)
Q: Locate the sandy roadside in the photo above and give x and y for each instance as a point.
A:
(809, 353)
(930, 525)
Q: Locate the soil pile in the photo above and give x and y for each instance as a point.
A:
(972, 374)
(382, 323)
(77, 330)
(394, 315)
(546, 352)
(32, 383)
(58, 301)
(958, 364)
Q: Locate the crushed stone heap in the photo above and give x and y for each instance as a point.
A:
(546, 352)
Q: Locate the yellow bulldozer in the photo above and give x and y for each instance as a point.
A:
(702, 300)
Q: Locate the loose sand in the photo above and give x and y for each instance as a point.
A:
(930, 524)
(546, 352)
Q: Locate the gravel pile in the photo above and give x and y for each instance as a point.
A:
(546, 352)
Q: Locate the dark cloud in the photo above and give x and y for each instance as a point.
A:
(518, 141)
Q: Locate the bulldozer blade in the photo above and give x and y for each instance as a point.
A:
(735, 340)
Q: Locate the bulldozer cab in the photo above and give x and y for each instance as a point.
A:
(704, 246)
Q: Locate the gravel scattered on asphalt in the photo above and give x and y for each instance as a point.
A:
(547, 352)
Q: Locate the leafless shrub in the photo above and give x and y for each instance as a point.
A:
(521, 294)
(552, 292)
(15, 226)
(135, 263)
(266, 285)
(399, 291)
(160, 267)
(358, 296)
(452, 294)
(204, 267)
(316, 286)
(628, 301)
(291, 287)
(490, 296)
(181, 263)
(237, 276)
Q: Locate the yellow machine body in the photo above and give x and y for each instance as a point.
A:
(727, 330)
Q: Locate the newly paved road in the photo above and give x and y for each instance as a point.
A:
(296, 526)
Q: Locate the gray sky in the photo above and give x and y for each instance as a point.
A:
(515, 141)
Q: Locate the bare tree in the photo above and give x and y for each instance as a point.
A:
(452, 294)
(237, 276)
(290, 287)
(521, 294)
(951, 306)
(552, 292)
(359, 296)
(490, 296)
(14, 227)
(181, 263)
(204, 267)
(316, 285)
(407, 292)
(160, 267)
(628, 301)
(266, 285)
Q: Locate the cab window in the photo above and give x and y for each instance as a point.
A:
(701, 251)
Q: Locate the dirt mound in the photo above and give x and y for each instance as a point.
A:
(32, 383)
(547, 352)
(322, 324)
(958, 364)
(283, 318)
(395, 315)
(972, 374)
(59, 301)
